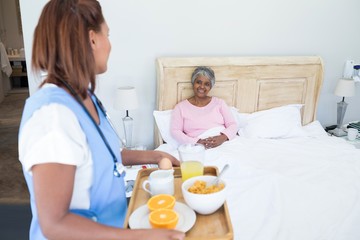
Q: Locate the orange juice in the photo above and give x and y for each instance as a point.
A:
(191, 169)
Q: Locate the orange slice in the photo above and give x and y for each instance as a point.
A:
(161, 201)
(163, 218)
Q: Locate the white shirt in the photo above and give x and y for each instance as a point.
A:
(53, 135)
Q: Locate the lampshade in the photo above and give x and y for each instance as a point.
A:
(345, 88)
(126, 98)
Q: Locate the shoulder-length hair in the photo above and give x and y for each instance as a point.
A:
(62, 46)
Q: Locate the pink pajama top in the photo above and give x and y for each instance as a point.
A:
(189, 121)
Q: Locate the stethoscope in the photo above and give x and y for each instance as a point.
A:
(119, 169)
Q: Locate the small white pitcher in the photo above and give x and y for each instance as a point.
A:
(160, 182)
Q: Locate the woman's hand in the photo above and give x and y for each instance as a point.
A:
(203, 142)
(173, 160)
(212, 142)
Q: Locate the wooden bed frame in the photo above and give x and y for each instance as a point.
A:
(248, 83)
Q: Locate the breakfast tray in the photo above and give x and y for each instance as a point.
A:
(216, 226)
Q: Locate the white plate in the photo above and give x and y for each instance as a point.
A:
(187, 217)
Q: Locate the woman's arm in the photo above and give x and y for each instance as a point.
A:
(231, 127)
(138, 157)
(177, 127)
(53, 186)
(228, 133)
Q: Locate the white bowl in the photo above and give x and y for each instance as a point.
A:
(203, 203)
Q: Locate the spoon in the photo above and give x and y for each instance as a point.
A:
(216, 180)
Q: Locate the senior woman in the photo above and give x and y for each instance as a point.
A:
(192, 117)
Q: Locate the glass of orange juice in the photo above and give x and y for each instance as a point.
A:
(191, 160)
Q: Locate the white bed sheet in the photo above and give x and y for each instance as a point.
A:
(291, 189)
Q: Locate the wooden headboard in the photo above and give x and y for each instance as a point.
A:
(248, 83)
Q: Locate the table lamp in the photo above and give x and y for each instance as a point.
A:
(126, 99)
(344, 88)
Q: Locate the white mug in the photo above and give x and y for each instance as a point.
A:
(352, 134)
(160, 182)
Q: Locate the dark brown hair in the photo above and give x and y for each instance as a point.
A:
(62, 46)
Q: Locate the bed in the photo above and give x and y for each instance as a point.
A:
(288, 179)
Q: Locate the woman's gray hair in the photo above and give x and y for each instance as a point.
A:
(204, 71)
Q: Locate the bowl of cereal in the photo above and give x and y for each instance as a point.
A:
(202, 196)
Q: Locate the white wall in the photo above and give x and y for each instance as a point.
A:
(142, 30)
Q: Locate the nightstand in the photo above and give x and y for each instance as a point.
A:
(356, 142)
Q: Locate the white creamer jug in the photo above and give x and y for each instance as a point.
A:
(160, 182)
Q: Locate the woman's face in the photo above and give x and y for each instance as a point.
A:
(101, 48)
(202, 86)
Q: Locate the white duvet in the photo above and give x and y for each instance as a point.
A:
(291, 189)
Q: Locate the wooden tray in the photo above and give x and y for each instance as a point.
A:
(216, 226)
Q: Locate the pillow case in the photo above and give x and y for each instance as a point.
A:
(240, 118)
(315, 129)
(162, 120)
(279, 122)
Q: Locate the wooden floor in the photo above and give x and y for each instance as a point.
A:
(14, 197)
(13, 188)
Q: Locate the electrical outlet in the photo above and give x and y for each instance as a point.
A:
(348, 69)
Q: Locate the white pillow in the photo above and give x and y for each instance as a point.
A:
(240, 118)
(162, 119)
(279, 122)
(315, 129)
